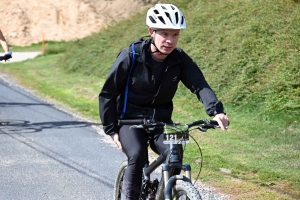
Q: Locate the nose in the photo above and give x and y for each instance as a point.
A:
(169, 39)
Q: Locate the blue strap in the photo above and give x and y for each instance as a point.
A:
(127, 83)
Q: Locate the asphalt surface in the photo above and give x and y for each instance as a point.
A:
(47, 153)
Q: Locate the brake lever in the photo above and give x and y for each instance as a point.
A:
(202, 129)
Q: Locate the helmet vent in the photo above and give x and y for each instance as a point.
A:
(176, 15)
(163, 7)
(156, 11)
(168, 15)
(182, 19)
(162, 19)
(152, 20)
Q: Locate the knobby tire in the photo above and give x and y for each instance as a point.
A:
(118, 195)
(185, 190)
(119, 181)
(181, 190)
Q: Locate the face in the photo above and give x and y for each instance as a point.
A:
(165, 40)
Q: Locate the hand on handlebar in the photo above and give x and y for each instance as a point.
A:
(222, 120)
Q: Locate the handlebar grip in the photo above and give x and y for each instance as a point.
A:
(213, 122)
(203, 122)
(130, 122)
(196, 123)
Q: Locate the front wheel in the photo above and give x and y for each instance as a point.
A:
(185, 190)
(118, 194)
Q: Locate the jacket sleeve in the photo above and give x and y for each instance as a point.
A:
(111, 90)
(193, 78)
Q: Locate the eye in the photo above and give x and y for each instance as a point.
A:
(176, 35)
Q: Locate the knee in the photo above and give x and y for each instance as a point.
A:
(137, 159)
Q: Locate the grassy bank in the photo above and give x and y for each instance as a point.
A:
(248, 52)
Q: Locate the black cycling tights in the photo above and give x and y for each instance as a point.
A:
(135, 147)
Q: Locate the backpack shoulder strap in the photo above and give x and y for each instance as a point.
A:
(136, 47)
(133, 59)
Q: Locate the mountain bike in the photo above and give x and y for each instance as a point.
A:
(169, 186)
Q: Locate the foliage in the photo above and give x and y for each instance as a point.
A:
(248, 50)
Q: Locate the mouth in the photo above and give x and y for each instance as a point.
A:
(167, 48)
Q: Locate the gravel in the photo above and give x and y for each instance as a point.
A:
(210, 193)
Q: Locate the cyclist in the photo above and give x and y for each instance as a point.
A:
(153, 83)
(7, 54)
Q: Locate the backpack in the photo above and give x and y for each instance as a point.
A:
(135, 53)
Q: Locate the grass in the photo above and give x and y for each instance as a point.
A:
(51, 47)
(249, 52)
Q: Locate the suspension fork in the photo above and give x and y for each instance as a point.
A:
(168, 168)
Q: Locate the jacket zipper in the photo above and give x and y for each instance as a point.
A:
(160, 85)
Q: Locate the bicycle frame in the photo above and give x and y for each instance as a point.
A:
(174, 162)
(171, 156)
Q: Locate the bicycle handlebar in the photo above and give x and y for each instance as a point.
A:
(207, 123)
(131, 122)
(203, 124)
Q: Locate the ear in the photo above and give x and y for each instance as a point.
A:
(151, 31)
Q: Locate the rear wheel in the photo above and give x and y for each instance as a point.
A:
(118, 192)
(185, 190)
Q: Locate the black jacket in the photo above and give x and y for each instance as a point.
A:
(143, 98)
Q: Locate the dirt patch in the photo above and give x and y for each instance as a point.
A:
(27, 22)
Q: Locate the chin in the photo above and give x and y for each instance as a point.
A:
(167, 52)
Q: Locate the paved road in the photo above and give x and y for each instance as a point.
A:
(46, 153)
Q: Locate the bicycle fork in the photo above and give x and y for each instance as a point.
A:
(174, 163)
(167, 169)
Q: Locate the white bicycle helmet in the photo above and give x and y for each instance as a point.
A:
(165, 16)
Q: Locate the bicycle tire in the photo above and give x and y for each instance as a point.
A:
(185, 190)
(160, 190)
(118, 195)
(181, 190)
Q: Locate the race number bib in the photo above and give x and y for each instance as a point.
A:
(176, 134)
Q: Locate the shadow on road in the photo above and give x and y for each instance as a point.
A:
(23, 126)
(9, 104)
